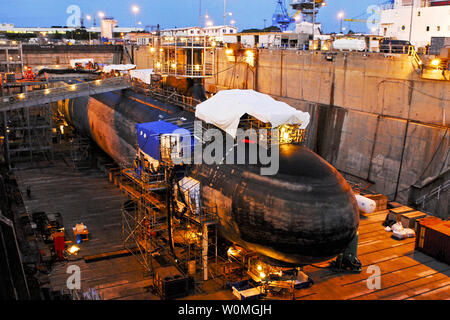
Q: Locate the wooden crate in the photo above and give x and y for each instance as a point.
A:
(409, 219)
(433, 238)
(396, 213)
(392, 205)
(380, 199)
(171, 283)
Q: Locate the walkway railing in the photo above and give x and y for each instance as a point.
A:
(415, 59)
(68, 91)
(168, 95)
(435, 193)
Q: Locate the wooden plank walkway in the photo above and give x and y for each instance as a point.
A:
(87, 196)
(405, 273)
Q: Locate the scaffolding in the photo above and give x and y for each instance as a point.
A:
(28, 133)
(11, 60)
(80, 151)
(158, 221)
(198, 230)
(143, 217)
(185, 56)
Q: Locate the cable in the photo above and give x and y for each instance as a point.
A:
(432, 159)
(411, 87)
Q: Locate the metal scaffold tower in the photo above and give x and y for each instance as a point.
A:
(11, 60)
(80, 149)
(28, 133)
(185, 56)
(143, 217)
(164, 219)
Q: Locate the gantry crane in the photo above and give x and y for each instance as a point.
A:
(281, 16)
(307, 8)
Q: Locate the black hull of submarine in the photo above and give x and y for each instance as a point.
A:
(304, 214)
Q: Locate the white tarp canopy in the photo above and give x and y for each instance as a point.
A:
(145, 75)
(83, 62)
(226, 108)
(118, 67)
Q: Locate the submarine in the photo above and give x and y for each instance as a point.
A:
(304, 214)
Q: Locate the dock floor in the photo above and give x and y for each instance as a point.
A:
(87, 196)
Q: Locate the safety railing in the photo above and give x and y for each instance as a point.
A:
(436, 192)
(415, 59)
(188, 41)
(185, 70)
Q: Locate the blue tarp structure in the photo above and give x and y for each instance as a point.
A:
(149, 136)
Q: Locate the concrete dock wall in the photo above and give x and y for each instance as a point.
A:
(373, 117)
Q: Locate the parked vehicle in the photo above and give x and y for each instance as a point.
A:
(394, 46)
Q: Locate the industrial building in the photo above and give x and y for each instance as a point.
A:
(10, 28)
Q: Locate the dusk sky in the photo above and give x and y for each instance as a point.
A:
(173, 13)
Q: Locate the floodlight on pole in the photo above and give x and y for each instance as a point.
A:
(341, 17)
(88, 17)
(135, 9)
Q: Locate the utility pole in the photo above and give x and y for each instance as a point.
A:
(224, 12)
(411, 20)
(313, 21)
(200, 14)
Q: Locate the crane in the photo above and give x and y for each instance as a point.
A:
(308, 9)
(372, 10)
(281, 16)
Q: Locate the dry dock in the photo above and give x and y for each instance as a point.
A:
(87, 196)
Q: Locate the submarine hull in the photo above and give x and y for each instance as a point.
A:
(304, 214)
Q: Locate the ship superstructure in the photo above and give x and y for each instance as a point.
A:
(415, 20)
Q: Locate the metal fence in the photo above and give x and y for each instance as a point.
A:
(185, 70)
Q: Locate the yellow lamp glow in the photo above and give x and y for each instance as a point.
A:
(435, 62)
(73, 250)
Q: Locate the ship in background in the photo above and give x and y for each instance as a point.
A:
(416, 21)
